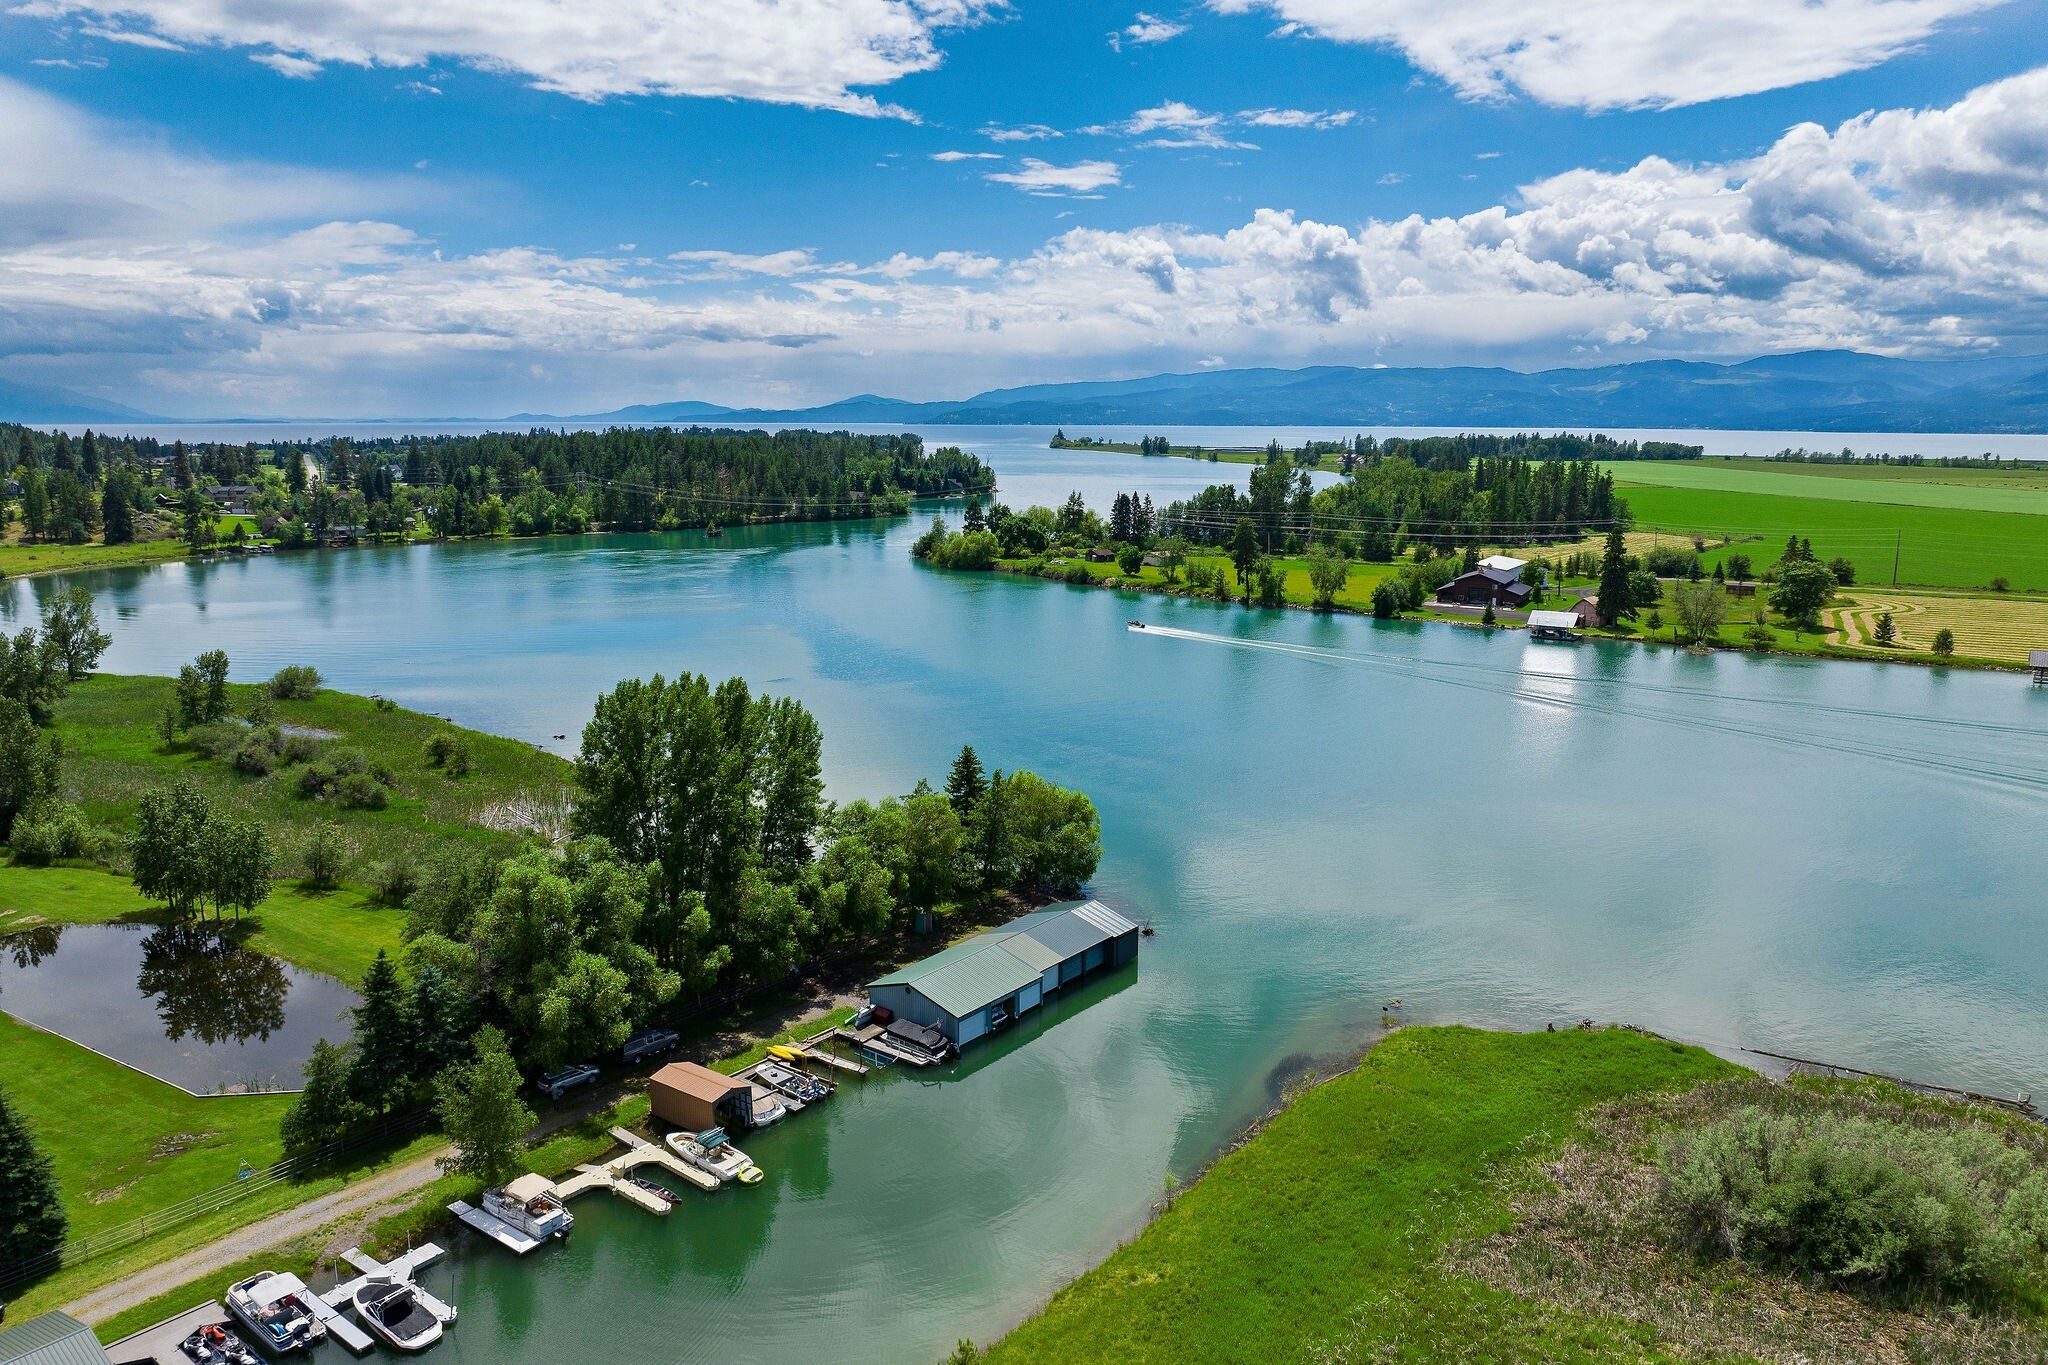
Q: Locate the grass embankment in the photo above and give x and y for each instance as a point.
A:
(1434, 1205)
(1323, 1233)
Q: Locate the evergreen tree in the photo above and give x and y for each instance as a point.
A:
(195, 525)
(32, 1221)
(439, 1021)
(89, 457)
(117, 513)
(294, 470)
(1615, 603)
(966, 784)
(181, 466)
(35, 504)
(26, 452)
(384, 1038)
(61, 458)
(1244, 554)
(325, 1109)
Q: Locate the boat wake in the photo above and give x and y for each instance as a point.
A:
(1791, 720)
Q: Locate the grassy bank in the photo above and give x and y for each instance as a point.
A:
(1323, 1234)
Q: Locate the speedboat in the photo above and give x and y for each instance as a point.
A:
(800, 1088)
(276, 1307)
(214, 1344)
(529, 1205)
(392, 1310)
(1134, 625)
(712, 1151)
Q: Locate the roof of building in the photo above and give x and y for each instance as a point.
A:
(999, 962)
(52, 1339)
(1553, 620)
(699, 1081)
(2037, 658)
(1504, 563)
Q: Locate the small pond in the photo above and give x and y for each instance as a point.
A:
(183, 1003)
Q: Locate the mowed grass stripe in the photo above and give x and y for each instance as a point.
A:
(2026, 493)
(1938, 546)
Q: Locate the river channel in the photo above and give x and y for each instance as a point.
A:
(1320, 815)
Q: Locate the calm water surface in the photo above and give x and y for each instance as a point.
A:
(1320, 814)
(183, 1003)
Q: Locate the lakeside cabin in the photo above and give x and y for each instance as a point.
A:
(982, 983)
(1497, 582)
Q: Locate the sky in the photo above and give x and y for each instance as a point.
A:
(481, 207)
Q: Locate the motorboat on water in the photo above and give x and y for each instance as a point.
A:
(1134, 625)
(800, 1088)
(277, 1308)
(655, 1188)
(214, 1344)
(392, 1310)
(712, 1151)
(529, 1205)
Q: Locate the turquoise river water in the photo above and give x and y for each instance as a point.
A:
(1835, 860)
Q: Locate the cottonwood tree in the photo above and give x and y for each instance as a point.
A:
(1804, 590)
(189, 854)
(1700, 609)
(1327, 574)
(483, 1114)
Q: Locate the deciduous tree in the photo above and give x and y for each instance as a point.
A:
(482, 1112)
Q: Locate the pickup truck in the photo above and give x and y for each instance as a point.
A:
(559, 1083)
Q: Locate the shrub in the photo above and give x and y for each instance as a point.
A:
(1869, 1203)
(296, 682)
(255, 758)
(218, 740)
(2001, 585)
(394, 879)
(360, 791)
(297, 748)
(1843, 570)
(1077, 573)
(1668, 561)
(50, 831)
(448, 751)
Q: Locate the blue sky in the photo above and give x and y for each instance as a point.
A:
(481, 206)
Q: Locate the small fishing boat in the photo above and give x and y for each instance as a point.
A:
(1134, 625)
(655, 1188)
(712, 1151)
(800, 1088)
(275, 1306)
(392, 1310)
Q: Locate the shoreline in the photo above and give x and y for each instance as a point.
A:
(1826, 652)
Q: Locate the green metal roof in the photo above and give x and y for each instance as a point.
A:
(52, 1339)
(1022, 945)
(966, 976)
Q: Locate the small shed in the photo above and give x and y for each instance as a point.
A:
(1586, 611)
(51, 1339)
(2037, 659)
(1741, 587)
(695, 1097)
(984, 982)
(1554, 625)
(1101, 554)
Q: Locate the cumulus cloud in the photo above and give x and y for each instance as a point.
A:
(1147, 28)
(1623, 54)
(1029, 132)
(816, 53)
(967, 156)
(142, 272)
(1173, 124)
(1034, 176)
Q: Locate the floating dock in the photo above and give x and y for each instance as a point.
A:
(405, 1270)
(493, 1227)
(612, 1175)
(338, 1327)
(811, 1049)
(874, 1038)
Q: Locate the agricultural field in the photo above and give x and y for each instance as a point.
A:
(1998, 628)
(1990, 489)
(1949, 547)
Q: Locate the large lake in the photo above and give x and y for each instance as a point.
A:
(1835, 860)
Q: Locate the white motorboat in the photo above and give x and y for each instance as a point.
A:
(711, 1151)
(276, 1307)
(529, 1205)
(392, 1310)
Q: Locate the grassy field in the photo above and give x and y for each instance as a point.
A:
(1320, 1239)
(1981, 490)
(2004, 629)
(113, 754)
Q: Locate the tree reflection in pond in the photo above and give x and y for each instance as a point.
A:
(208, 987)
(28, 947)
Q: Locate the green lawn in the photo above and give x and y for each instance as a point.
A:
(1321, 1238)
(112, 755)
(336, 933)
(17, 559)
(123, 1143)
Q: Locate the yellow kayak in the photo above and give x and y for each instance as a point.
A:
(787, 1054)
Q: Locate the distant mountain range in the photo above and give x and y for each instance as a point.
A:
(1823, 391)
(1807, 391)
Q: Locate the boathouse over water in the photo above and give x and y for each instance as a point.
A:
(984, 982)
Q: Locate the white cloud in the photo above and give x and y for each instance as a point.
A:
(295, 68)
(816, 53)
(1148, 28)
(1391, 178)
(1042, 177)
(1173, 124)
(1298, 118)
(136, 270)
(1029, 132)
(1615, 54)
(967, 156)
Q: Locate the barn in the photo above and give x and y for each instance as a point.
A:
(1497, 581)
(982, 983)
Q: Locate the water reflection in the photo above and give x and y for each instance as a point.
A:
(189, 1004)
(208, 987)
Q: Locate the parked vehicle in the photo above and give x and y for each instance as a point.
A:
(650, 1042)
(559, 1083)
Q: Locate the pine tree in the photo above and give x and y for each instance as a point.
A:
(117, 514)
(32, 1221)
(181, 466)
(440, 1021)
(383, 1061)
(966, 784)
(27, 451)
(1615, 603)
(89, 457)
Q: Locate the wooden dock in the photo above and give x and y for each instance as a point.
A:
(813, 1048)
(613, 1175)
(876, 1040)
